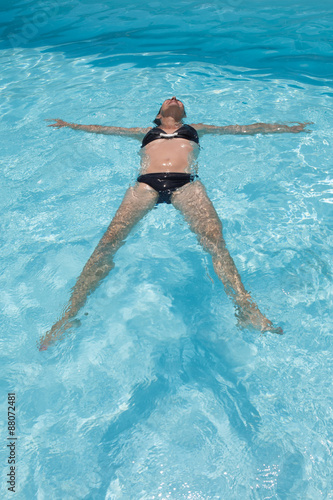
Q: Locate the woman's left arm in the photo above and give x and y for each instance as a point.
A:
(255, 128)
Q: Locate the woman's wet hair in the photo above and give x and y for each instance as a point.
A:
(157, 121)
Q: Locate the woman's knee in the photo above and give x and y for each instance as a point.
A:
(211, 238)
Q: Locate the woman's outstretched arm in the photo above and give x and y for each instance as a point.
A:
(135, 132)
(255, 128)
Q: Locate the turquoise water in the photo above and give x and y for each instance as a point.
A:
(158, 394)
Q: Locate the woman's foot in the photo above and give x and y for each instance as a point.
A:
(250, 317)
(56, 332)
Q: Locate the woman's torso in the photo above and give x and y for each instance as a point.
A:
(174, 154)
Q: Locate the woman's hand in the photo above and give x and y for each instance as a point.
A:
(295, 129)
(59, 123)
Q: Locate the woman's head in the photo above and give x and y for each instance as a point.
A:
(171, 107)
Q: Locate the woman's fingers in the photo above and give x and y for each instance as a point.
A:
(300, 127)
(59, 123)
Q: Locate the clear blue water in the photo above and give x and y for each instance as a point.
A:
(158, 394)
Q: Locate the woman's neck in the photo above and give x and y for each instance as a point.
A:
(169, 123)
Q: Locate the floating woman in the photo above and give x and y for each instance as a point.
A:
(169, 151)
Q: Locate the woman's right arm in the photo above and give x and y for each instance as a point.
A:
(135, 132)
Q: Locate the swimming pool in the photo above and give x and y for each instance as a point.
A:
(158, 394)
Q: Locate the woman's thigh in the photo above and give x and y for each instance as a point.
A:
(137, 202)
(199, 212)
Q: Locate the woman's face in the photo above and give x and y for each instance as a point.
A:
(173, 104)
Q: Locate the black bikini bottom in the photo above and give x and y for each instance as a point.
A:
(165, 183)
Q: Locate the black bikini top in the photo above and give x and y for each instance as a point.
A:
(184, 132)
